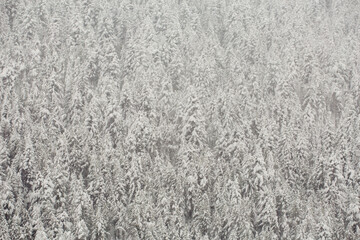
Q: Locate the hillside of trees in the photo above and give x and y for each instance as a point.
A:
(179, 119)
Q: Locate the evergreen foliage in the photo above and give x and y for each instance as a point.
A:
(179, 119)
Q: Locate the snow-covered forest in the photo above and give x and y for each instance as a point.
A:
(179, 119)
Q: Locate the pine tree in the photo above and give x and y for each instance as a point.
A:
(142, 49)
(99, 226)
(4, 230)
(352, 216)
(81, 207)
(265, 203)
(28, 164)
(287, 158)
(193, 130)
(109, 62)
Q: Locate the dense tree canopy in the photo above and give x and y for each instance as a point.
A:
(154, 119)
